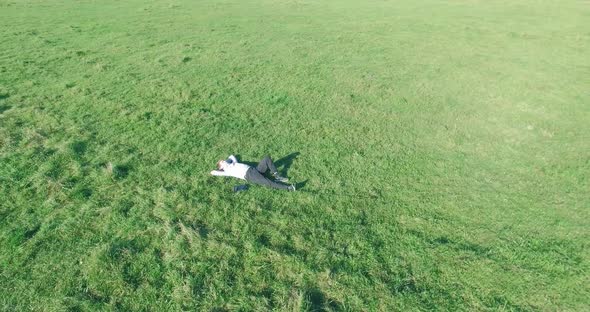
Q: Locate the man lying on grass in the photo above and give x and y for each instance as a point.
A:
(232, 168)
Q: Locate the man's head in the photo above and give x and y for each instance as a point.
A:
(221, 164)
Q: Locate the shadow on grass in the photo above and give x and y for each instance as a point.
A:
(121, 171)
(29, 233)
(318, 301)
(201, 228)
(300, 185)
(79, 147)
(284, 162)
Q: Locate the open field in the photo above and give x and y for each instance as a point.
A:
(442, 150)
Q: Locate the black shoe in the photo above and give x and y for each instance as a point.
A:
(279, 178)
(240, 188)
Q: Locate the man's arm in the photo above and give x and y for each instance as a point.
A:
(233, 159)
(220, 173)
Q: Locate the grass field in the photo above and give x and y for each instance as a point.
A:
(442, 151)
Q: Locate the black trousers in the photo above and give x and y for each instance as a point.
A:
(256, 175)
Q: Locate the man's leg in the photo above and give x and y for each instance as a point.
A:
(266, 164)
(254, 176)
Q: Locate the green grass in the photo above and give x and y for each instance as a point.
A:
(444, 147)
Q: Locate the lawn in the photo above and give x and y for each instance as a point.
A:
(441, 150)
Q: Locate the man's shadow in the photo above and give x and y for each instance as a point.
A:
(283, 165)
(286, 163)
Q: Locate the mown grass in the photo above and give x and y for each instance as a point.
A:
(442, 148)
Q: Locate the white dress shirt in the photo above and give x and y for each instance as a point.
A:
(232, 168)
